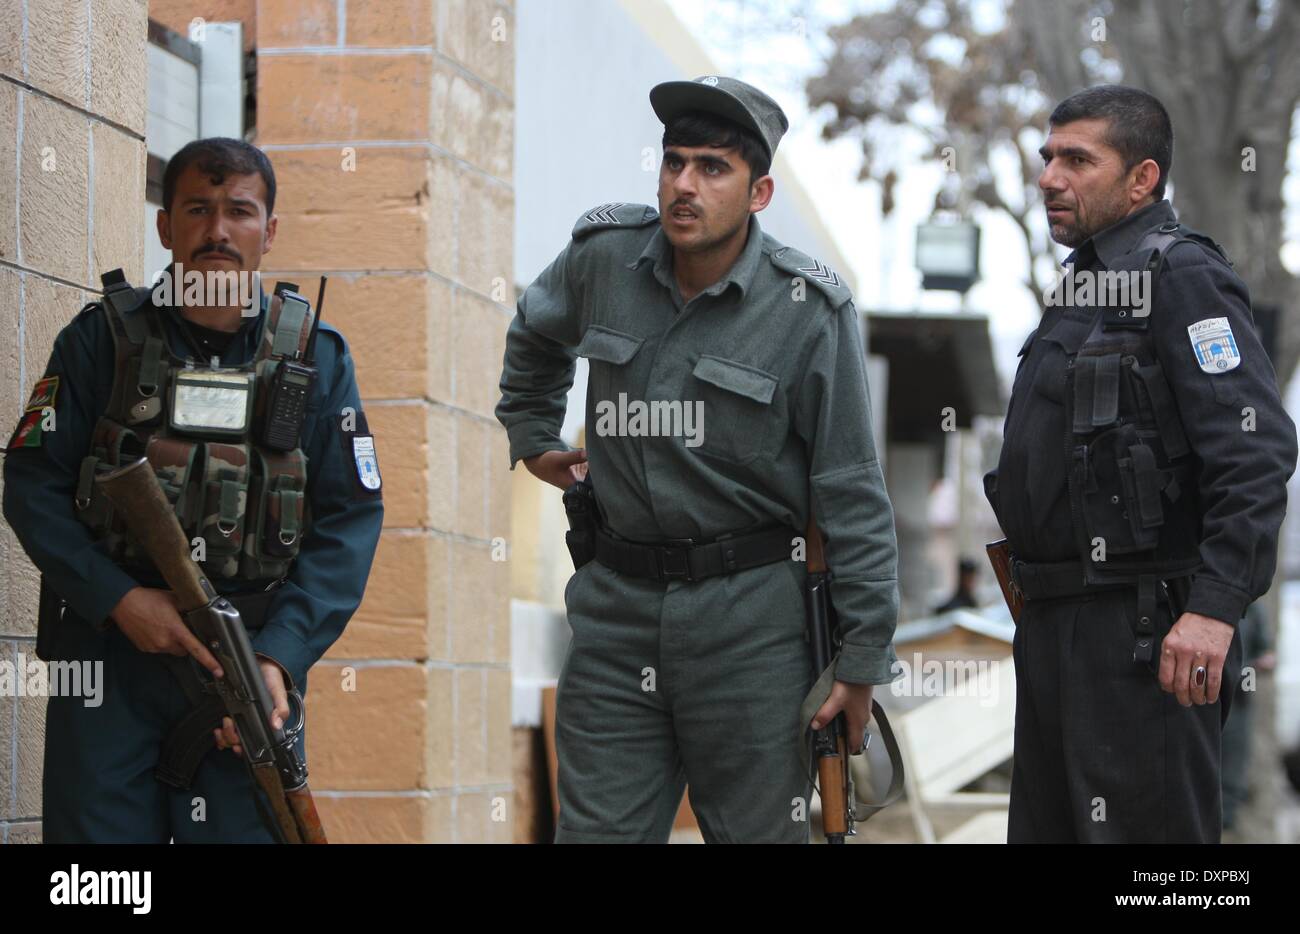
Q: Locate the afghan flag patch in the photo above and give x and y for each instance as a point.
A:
(40, 406)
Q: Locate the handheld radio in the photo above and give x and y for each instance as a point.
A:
(290, 386)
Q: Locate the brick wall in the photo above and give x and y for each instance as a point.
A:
(389, 124)
(72, 161)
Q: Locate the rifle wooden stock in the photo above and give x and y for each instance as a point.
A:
(139, 500)
(268, 779)
(816, 551)
(304, 812)
(832, 766)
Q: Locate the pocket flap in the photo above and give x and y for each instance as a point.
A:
(601, 343)
(1069, 332)
(738, 378)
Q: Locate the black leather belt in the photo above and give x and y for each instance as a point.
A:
(1045, 580)
(688, 560)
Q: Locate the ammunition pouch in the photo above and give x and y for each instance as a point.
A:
(241, 502)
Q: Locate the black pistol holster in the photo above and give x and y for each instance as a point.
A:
(580, 507)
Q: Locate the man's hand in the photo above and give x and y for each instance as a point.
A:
(150, 619)
(855, 701)
(228, 737)
(1195, 641)
(558, 468)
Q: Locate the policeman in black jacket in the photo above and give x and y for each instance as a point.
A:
(1141, 485)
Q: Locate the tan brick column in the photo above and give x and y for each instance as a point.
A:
(390, 125)
(72, 159)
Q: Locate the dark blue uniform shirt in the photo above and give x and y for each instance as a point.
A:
(326, 582)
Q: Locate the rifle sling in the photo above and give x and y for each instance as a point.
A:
(863, 810)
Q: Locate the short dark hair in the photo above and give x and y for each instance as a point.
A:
(699, 128)
(219, 156)
(1137, 125)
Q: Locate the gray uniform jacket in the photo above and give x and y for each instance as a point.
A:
(773, 354)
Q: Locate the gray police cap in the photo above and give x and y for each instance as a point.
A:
(735, 100)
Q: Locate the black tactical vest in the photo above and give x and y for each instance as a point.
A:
(1133, 495)
(241, 502)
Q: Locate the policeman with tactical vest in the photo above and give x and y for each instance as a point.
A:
(1141, 485)
(727, 400)
(246, 408)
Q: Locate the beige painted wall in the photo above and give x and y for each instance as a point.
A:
(391, 133)
(72, 160)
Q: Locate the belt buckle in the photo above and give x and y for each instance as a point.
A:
(674, 559)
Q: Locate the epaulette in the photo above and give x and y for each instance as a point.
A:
(614, 214)
(801, 265)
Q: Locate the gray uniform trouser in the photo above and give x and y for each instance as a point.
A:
(677, 683)
(1102, 754)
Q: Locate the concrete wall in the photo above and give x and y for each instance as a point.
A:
(72, 162)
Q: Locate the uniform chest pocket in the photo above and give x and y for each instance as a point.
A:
(742, 415)
(1053, 355)
(608, 353)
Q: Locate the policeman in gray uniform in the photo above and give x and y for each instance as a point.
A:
(727, 402)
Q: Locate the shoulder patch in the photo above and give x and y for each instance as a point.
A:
(799, 265)
(615, 214)
(1215, 347)
(38, 415)
(359, 450)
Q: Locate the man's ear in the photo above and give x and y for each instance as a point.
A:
(164, 229)
(271, 223)
(760, 193)
(1146, 175)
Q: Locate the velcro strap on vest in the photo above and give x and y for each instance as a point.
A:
(289, 515)
(85, 481)
(1096, 392)
(1143, 647)
(1147, 480)
(1164, 410)
(228, 511)
(110, 437)
(151, 366)
(288, 328)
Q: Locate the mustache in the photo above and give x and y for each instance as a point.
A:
(685, 204)
(217, 249)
